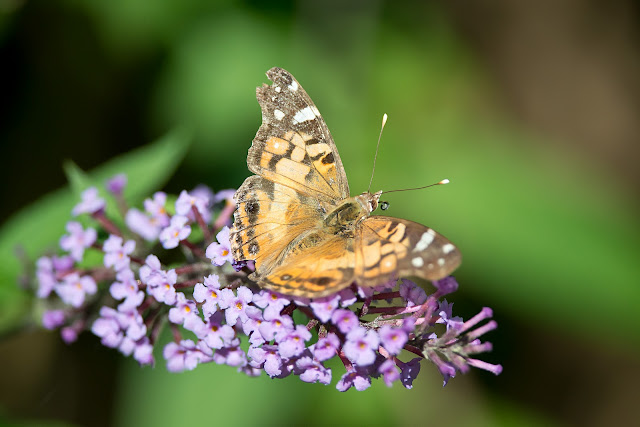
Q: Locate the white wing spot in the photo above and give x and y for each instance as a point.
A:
(293, 86)
(417, 262)
(277, 89)
(440, 262)
(279, 114)
(424, 242)
(315, 110)
(448, 248)
(303, 115)
(276, 145)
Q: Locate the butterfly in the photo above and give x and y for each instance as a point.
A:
(295, 217)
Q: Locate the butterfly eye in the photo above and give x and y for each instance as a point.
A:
(384, 206)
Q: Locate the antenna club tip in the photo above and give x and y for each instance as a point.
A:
(384, 119)
(444, 181)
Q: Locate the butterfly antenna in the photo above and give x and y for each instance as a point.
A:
(444, 181)
(384, 122)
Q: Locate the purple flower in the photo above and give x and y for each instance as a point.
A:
(209, 293)
(187, 201)
(184, 309)
(150, 269)
(265, 298)
(220, 252)
(215, 334)
(62, 264)
(226, 195)
(361, 346)
(142, 225)
(312, 371)
(412, 293)
(126, 288)
(231, 355)
(392, 339)
(275, 326)
(69, 334)
(160, 286)
(356, 379)
(445, 310)
(326, 347)
(254, 319)
(323, 308)
(74, 288)
(133, 324)
(186, 355)
(116, 184)
(77, 240)
(267, 357)
(143, 352)
(293, 343)
(409, 371)
(51, 319)
(90, 203)
(236, 305)
(46, 277)
(108, 327)
(389, 372)
(345, 320)
(116, 254)
(156, 208)
(177, 231)
(203, 192)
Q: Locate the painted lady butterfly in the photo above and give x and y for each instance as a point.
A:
(295, 217)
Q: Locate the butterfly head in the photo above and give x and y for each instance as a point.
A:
(369, 201)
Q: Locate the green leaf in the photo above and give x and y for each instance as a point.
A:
(38, 227)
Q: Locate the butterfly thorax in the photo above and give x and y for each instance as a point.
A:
(346, 216)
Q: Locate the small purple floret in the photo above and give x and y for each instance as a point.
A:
(116, 184)
(77, 240)
(91, 202)
(177, 231)
(220, 252)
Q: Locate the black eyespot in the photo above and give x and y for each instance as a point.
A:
(384, 206)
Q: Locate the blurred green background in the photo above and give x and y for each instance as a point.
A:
(531, 109)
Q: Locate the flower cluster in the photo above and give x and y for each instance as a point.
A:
(216, 314)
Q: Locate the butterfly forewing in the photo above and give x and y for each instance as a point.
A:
(388, 248)
(293, 145)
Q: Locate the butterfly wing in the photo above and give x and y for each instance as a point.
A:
(293, 145)
(388, 248)
(319, 264)
(299, 176)
(268, 218)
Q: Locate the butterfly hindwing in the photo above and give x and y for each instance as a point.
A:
(293, 145)
(319, 264)
(389, 248)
